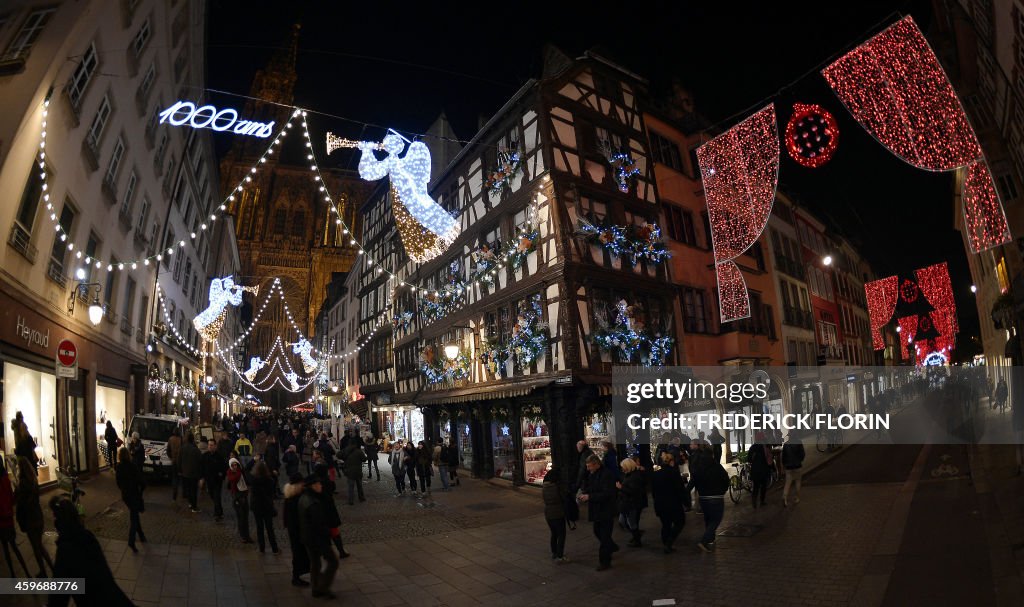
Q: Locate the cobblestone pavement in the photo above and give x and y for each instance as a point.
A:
(486, 544)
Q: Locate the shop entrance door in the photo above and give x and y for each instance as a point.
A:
(77, 454)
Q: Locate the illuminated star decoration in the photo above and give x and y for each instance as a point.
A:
(881, 297)
(812, 135)
(895, 87)
(223, 291)
(429, 229)
(740, 171)
(255, 364)
(304, 349)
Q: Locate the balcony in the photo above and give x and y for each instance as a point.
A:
(124, 216)
(55, 272)
(108, 313)
(21, 241)
(109, 191)
(126, 327)
(13, 63)
(141, 240)
(797, 317)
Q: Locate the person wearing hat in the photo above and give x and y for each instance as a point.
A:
(239, 488)
(316, 537)
(300, 557)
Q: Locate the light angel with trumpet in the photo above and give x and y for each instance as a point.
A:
(223, 291)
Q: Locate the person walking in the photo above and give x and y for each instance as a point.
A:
(398, 467)
(290, 515)
(668, 490)
(272, 456)
(30, 514)
(190, 464)
(79, 555)
(409, 461)
(307, 450)
(632, 499)
(611, 459)
(441, 462)
(760, 458)
(243, 447)
(263, 491)
(424, 467)
(353, 458)
(174, 453)
(291, 460)
(585, 452)
(24, 444)
(315, 535)
(138, 452)
(129, 481)
(239, 489)
(711, 481)
(793, 455)
(113, 444)
(554, 494)
(598, 493)
(212, 470)
(8, 536)
(331, 514)
(372, 450)
(716, 439)
(453, 462)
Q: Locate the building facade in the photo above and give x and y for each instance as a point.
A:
(87, 221)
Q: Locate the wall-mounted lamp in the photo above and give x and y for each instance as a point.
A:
(83, 288)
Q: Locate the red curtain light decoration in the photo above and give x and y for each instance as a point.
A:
(984, 219)
(908, 327)
(812, 135)
(895, 87)
(740, 171)
(881, 296)
(938, 289)
(732, 291)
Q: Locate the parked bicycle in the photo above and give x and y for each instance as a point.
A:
(67, 481)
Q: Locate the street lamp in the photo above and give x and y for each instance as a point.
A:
(83, 288)
(451, 351)
(974, 289)
(827, 260)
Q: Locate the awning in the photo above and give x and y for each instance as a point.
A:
(359, 407)
(466, 395)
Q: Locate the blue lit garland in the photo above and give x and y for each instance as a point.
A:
(437, 370)
(403, 320)
(632, 243)
(627, 338)
(528, 342)
(509, 163)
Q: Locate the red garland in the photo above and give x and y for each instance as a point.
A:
(812, 135)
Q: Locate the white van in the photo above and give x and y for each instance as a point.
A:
(154, 431)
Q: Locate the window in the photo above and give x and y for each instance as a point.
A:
(694, 164)
(147, 82)
(111, 286)
(99, 123)
(188, 274)
(141, 38)
(30, 198)
(90, 255)
(280, 218)
(115, 162)
(140, 226)
(129, 195)
(299, 224)
(666, 152)
(195, 281)
(82, 76)
(60, 247)
(680, 225)
(129, 300)
(757, 252)
(161, 148)
(177, 267)
(1007, 187)
(707, 230)
(694, 316)
(27, 35)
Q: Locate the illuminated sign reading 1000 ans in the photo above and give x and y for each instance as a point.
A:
(207, 116)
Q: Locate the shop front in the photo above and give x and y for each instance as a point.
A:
(65, 417)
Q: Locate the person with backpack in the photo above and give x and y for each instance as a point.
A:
(554, 496)
(793, 455)
(759, 456)
(711, 482)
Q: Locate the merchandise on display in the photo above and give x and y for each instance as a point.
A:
(505, 457)
(536, 449)
(598, 430)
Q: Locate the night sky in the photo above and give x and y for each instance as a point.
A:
(387, 64)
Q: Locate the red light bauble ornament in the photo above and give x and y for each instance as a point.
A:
(812, 135)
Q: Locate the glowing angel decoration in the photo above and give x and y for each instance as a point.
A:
(426, 228)
(293, 379)
(255, 364)
(223, 291)
(305, 351)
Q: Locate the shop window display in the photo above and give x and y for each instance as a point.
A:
(34, 394)
(505, 458)
(536, 449)
(110, 405)
(417, 426)
(465, 446)
(597, 430)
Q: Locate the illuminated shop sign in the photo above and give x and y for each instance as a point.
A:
(208, 117)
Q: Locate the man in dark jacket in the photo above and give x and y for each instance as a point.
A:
(599, 494)
(190, 462)
(581, 474)
(372, 454)
(453, 461)
(316, 537)
(792, 460)
(212, 468)
(711, 481)
(353, 457)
